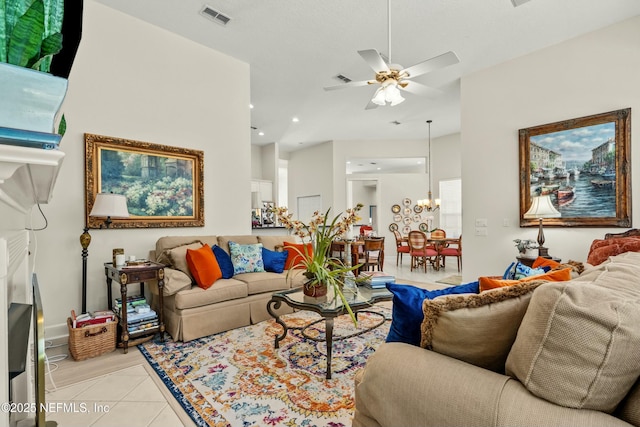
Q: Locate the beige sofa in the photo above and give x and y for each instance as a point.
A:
(569, 351)
(191, 312)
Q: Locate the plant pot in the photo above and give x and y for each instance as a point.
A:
(315, 290)
(30, 99)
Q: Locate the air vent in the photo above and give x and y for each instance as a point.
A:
(343, 78)
(395, 122)
(517, 3)
(214, 15)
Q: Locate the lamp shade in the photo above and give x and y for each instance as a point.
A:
(541, 207)
(110, 205)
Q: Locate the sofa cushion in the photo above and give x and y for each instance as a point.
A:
(175, 281)
(577, 345)
(275, 243)
(224, 261)
(203, 266)
(518, 270)
(544, 262)
(295, 252)
(274, 261)
(177, 257)
(165, 243)
(224, 290)
(223, 241)
(487, 283)
(478, 329)
(629, 409)
(407, 309)
(246, 258)
(258, 283)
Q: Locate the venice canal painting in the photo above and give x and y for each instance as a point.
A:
(577, 168)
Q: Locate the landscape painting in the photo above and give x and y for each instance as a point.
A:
(162, 184)
(583, 165)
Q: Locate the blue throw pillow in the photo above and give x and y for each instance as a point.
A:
(274, 261)
(407, 313)
(224, 261)
(517, 271)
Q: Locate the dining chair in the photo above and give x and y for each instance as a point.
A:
(453, 248)
(420, 253)
(365, 230)
(402, 247)
(337, 251)
(438, 233)
(373, 253)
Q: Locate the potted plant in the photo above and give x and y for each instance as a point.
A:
(321, 270)
(30, 35)
(526, 247)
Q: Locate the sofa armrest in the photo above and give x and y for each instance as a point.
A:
(405, 385)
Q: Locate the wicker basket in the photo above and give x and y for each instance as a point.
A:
(91, 341)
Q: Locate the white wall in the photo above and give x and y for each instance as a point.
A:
(136, 81)
(311, 173)
(591, 74)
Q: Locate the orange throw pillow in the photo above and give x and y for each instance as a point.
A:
(544, 262)
(203, 266)
(487, 283)
(294, 259)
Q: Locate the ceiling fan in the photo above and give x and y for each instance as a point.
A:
(392, 78)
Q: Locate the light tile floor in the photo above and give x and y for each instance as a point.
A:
(132, 397)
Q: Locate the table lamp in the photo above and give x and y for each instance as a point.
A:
(541, 207)
(105, 205)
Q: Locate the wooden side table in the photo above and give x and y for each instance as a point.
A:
(125, 275)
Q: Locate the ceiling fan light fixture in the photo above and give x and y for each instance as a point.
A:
(388, 93)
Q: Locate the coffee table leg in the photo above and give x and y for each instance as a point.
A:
(276, 305)
(329, 337)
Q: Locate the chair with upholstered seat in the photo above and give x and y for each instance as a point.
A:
(419, 251)
(453, 248)
(373, 251)
(402, 247)
(337, 251)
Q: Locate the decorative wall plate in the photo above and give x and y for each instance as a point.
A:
(423, 227)
(406, 229)
(407, 211)
(393, 227)
(417, 218)
(417, 209)
(395, 208)
(406, 220)
(397, 217)
(406, 201)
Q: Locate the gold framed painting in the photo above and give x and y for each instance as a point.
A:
(584, 165)
(164, 185)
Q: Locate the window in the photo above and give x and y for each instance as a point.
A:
(451, 207)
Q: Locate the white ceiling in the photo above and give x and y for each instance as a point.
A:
(296, 47)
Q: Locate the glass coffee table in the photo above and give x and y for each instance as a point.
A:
(329, 307)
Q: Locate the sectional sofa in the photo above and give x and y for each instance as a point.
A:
(192, 312)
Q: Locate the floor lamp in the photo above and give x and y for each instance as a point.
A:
(541, 207)
(106, 205)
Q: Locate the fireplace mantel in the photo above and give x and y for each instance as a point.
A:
(27, 175)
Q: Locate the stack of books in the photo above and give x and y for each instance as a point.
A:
(377, 279)
(140, 317)
(95, 318)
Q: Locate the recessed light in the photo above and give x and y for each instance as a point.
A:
(261, 133)
(251, 106)
(379, 168)
(295, 120)
(349, 162)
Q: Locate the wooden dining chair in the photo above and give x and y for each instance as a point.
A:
(402, 247)
(420, 253)
(453, 248)
(337, 251)
(373, 253)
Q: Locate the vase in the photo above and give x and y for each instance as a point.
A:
(30, 99)
(313, 289)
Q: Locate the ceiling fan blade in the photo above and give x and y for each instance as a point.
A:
(375, 61)
(371, 105)
(434, 63)
(418, 88)
(350, 84)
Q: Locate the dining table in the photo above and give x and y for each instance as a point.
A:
(355, 246)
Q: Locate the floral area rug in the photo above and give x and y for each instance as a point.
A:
(238, 378)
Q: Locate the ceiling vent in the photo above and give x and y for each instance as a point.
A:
(395, 122)
(517, 3)
(343, 78)
(214, 15)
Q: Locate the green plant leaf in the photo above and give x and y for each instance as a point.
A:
(26, 38)
(62, 127)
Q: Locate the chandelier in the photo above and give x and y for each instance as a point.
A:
(429, 204)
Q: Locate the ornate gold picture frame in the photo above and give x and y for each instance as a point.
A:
(164, 185)
(584, 165)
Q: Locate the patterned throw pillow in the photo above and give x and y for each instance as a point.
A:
(517, 271)
(246, 258)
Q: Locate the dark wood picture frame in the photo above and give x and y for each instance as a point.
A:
(164, 185)
(603, 182)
